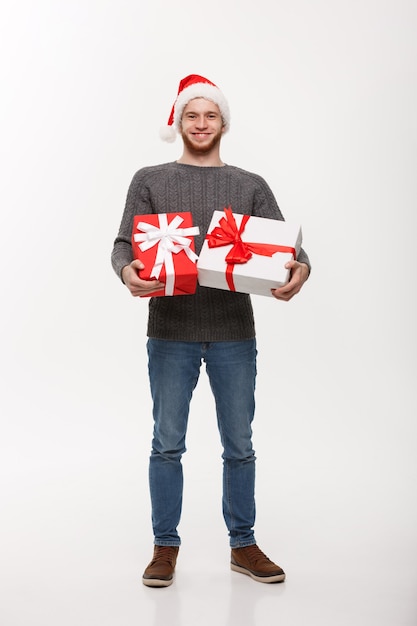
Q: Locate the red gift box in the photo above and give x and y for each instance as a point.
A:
(164, 242)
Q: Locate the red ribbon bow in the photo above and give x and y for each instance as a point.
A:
(228, 233)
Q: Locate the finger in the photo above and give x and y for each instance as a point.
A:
(283, 297)
(147, 289)
(151, 285)
(285, 289)
(286, 292)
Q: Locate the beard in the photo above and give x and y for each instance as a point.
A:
(198, 148)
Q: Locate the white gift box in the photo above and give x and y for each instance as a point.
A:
(239, 236)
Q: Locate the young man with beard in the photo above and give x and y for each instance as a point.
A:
(211, 326)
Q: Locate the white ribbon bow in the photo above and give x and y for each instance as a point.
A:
(170, 240)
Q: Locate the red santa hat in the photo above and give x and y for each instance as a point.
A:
(194, 86)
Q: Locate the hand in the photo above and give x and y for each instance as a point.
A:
(136, 285)
(298, 275)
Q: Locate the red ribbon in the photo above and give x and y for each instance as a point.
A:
(228, 233)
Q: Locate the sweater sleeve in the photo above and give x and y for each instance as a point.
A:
(265, 205)
(137, 201)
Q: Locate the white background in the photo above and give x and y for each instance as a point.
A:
(323, 100)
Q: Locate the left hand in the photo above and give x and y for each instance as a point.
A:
(298, 276)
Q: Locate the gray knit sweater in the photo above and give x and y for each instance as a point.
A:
(209, 314)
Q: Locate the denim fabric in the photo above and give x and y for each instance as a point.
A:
(174, 368)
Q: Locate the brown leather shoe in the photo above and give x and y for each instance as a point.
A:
(253, 562)
(160, 571)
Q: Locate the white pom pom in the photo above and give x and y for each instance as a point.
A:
(168, 133)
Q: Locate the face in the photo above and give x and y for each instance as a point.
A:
(201, 125)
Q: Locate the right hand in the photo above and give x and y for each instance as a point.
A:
(136, 285)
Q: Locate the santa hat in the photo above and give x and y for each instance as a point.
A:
(194, 86)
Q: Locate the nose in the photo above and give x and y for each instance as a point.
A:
(201, 122)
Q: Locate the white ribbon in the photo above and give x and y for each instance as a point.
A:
(170, 240)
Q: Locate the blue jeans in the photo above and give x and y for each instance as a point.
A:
(174, 368)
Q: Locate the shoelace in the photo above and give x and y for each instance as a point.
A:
(256, 554)
(164, 553)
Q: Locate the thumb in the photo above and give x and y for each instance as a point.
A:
(137, 265)
(290, 264)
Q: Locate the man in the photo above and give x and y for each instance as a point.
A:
(214, 326)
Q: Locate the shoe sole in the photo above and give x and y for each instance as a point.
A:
(157, 582)
(278, 578)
